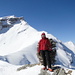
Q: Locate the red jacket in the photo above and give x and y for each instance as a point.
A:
(44, 44)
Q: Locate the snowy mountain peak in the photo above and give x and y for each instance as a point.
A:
(70, 42)
(70, 45)
(19, 31)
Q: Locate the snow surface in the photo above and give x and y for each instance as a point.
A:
(18, 46)
(8, 69)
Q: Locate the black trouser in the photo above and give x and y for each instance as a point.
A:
(46, 58)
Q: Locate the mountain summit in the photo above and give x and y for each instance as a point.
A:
(18, 43)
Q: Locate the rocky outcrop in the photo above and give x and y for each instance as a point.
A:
(9, 21)
(25, 66)
(60, 71)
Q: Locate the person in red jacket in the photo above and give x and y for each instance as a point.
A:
(44, 48)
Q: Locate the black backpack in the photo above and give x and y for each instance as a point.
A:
(53, 52)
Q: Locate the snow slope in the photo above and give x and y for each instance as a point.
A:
(8, 69)
(18, 43)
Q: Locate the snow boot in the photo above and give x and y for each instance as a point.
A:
(51, 70)
(44, 68)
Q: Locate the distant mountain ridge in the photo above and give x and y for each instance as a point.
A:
(70, 45)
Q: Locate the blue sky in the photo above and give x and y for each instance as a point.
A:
(57, 17)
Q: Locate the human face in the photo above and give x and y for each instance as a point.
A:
(43, 36)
